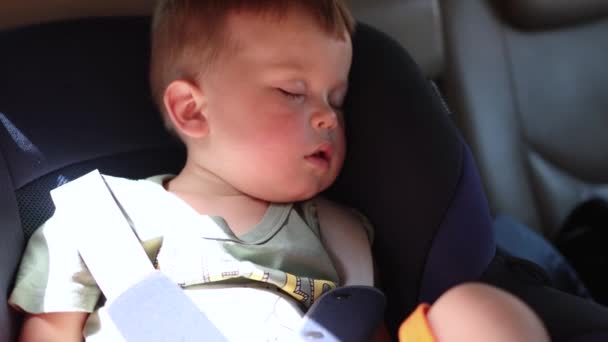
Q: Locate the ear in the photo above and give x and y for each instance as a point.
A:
(184, 102)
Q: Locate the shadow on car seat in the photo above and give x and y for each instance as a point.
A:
(527, 78)
(75, 98)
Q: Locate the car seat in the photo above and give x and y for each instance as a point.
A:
(527, 80)
(74, 97)
(415, 24)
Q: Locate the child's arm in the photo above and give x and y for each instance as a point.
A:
(345, 237)
(53, 287)
(50, 327)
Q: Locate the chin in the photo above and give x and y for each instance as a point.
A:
(298, 195)
(309, 193)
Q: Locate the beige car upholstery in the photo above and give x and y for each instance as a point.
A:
(531, 101)
(416, 24)
(539, 14)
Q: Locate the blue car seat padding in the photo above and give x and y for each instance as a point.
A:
(451, 259)
(78, 91)
(11, 245)
(351, 313)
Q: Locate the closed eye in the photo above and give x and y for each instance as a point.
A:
(336, 101)
(293, 96)
(338, 107)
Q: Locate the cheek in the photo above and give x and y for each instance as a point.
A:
(271, 142)
(283, 143)
(341, 147)
(276, 127)
(261, 127)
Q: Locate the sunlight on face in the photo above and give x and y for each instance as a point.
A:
(274, 107)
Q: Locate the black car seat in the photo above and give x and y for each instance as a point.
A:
(63, 114)
(527, 81)
(74, 97)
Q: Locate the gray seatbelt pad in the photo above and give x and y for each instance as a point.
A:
(144, 304)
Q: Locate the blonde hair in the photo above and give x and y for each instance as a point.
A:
(188, 36)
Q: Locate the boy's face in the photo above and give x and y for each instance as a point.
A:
(273, 107)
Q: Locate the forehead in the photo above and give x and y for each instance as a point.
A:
(292, 38)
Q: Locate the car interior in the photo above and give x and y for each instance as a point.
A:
(519, 134)
(525, 79)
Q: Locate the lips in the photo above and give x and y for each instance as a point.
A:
(321, 156)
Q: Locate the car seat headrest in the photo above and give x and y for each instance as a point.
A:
(543, 14)
(415, 25)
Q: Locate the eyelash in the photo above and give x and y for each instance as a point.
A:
(291, 95)
(339, 108)
(299, 97)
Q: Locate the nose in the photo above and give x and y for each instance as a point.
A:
(325, 119)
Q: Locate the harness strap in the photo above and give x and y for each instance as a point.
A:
(144, 304)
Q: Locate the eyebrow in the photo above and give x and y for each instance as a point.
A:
(284, 64)
(297, 66)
